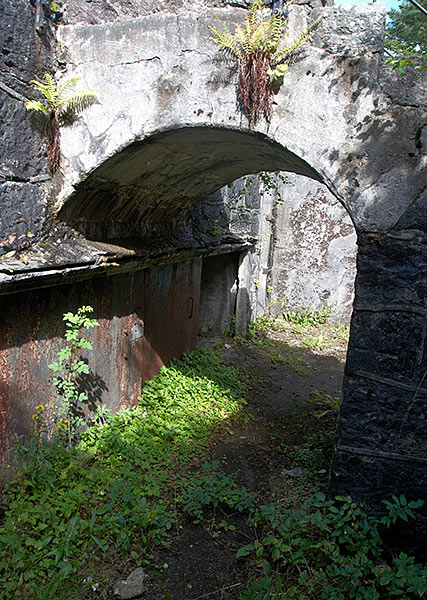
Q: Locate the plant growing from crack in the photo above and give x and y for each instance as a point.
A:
(63, 106)
(263, 58)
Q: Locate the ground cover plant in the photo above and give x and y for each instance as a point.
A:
(330, 549)
(113, 493)
(206, 488)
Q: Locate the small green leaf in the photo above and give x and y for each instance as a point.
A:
(244, 551)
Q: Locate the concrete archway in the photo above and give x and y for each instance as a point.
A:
(158, 182)
(339, 118)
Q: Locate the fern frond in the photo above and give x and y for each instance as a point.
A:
(48, 88)
(277, 29)
(66, 86)
(225, 39)
(74, 104)
(254, 9)
(259, 37)
(37, 106)
(81, 100)
(257, 43)
(290, 48)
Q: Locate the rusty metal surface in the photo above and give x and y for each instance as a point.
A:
(145, 319)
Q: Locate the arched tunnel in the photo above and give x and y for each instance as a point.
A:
(161, 180)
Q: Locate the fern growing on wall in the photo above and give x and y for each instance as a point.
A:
(259, 47)
(61, 107)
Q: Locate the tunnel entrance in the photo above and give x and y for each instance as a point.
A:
(145, 207)
(152, 218)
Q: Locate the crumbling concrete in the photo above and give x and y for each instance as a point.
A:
(314, 258)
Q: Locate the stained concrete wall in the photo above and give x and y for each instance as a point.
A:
(304, 250)
(218, 293)
(101, 11)
(315, 249)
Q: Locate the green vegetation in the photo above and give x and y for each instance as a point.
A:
(82, 510)
(212, 488)
(330, 550)
(324, 401)
(71, 366)
(406, 37)
(112, 497)
(309, 318)
(262, 57)
(62, 108)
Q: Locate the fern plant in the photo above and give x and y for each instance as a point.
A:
(63, 106)
(259, 47)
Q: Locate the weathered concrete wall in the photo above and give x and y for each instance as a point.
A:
(101, 11)
(146, 319)
(314, 259)
(218, 293)
(304, 256)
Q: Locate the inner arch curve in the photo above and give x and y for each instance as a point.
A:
(164, 177)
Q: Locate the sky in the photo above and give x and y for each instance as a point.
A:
(389, 3)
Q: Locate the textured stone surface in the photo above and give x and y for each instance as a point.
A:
(392, 349)
(132, 587)
(392, 270)
(22, 156)
(100, 11)
(331, 119)
(22, 208)
(305, 254)
(392, 418)
(24, 55)
(382, 442)
(314, 260)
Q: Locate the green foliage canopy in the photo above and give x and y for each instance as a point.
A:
(406, 31)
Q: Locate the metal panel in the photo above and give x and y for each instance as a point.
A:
(145, 319)
(172, 306)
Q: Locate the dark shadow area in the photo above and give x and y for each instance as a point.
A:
(162, 179)
(96, 389)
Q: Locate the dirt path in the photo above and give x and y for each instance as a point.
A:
(282, 452)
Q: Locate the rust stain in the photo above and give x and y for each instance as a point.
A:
(156, 300)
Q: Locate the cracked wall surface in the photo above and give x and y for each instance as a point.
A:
(22, 159)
